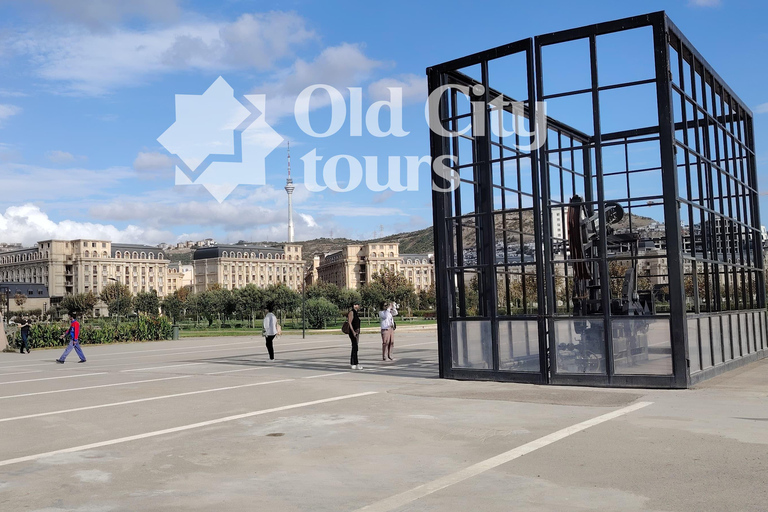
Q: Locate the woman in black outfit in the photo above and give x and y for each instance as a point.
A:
(354, 335)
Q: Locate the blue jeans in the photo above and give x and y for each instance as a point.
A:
(24, 341)
(72, 344)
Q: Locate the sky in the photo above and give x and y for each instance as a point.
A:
(88, 86)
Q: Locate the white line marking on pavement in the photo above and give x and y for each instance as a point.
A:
(53, 378)
(182, 428)
(159, 367)
(94, 387)
(402, 499)
(241, 370)
(324, 375)
(182, 350)
(19, 373)
(139, 400)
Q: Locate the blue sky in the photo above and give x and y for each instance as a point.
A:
(88, 86)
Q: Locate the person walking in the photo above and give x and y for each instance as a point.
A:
(387, 321)
(73, 333)
(25, 325)
(354, 335)
(270, 330)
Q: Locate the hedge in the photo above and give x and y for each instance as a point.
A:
(145, 329)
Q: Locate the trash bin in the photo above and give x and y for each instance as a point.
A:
(175, 332)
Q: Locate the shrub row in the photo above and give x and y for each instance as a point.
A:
(145, 329)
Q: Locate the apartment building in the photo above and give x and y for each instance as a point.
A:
(354, 265)
(179, 276)
(68, 267)
(235, 266)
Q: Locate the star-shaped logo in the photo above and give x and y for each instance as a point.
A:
(220, 141)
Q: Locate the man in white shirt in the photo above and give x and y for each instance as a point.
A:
(387, 321)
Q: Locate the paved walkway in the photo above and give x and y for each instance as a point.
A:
(210, 424)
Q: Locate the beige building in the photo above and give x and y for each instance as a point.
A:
(354, 265)
(36, 297)
(179, 276)
(82, 266)
(235, 266)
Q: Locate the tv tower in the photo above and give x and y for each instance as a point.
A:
(289, 187)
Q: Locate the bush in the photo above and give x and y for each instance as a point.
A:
(424, 312)
(318, 311)
(145, 329)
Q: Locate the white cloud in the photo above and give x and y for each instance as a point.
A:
(762, 108)
(704, 3)
(414, 88)
(382, 197)
(95, 63)
(100, 13)
(308, 220)
(339, 66)
(153, 161)
(62, 157)
(35, 183)
(12, 93)
(7, 111)
(28, 224)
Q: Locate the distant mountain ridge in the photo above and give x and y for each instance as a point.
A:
(412, 242)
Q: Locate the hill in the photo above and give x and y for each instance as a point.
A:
(413, 242)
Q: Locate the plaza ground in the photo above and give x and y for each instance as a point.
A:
(211, 424)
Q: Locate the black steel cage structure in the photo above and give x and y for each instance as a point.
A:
(596, 213)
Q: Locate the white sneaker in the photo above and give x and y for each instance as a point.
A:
(353, 366)
(359, 367)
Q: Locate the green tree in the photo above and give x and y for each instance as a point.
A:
(204, 306)
(372, 295)
(428, 298)
(325, 290)
(397, 288)
(20, 299)
(281, 297)
(249, 300)
(118, 299)
(80, 303)
(147, 303)
(319, 311)
(173, 306)
(347, 299)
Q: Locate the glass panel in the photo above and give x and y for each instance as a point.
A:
(720, 335)
(743, 335)
(580, 346)
(641, 346)
(731, 329)
(717, 342)
(706, 342)
(737, 325)
(471, 344)
(693, 344)
(519, 346)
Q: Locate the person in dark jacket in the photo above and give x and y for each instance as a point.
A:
(73, 333)
(354, 335)
(25, 325)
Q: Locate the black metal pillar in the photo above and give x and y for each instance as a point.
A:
(441, 208)
(678, 327)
